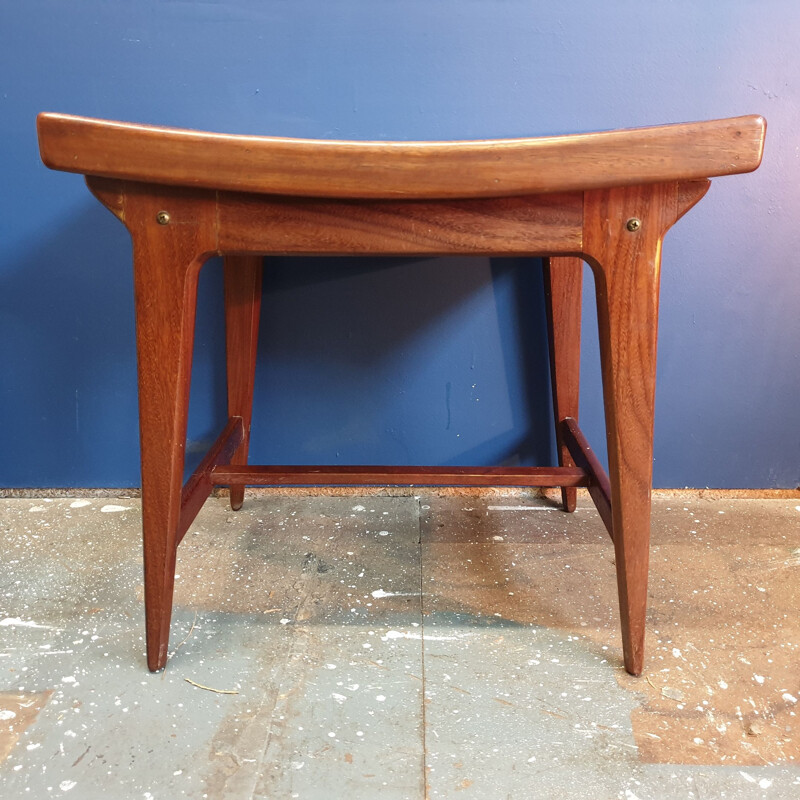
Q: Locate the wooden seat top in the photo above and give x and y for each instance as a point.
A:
(412, 170)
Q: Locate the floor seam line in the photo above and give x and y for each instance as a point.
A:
(279, 677)
(422, 651)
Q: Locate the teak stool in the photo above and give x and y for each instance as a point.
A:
(604, 198)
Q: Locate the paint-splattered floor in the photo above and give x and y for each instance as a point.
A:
(362, 647)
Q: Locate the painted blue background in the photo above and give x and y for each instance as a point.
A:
(409, 361)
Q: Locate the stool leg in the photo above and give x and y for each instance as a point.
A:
(627, 266)
(562, 288)
(242, 311)
(166, 295)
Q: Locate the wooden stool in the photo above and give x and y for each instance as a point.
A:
(605, 198)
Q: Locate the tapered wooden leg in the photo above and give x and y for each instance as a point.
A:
(167, 260)
(562, 288)
(242, 311)
(164, 332)
(622, 232)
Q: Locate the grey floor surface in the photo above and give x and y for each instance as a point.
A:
(399, 647)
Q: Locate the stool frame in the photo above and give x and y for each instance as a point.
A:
(607, 199)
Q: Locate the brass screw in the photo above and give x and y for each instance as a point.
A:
(633, 224)
(162, 218)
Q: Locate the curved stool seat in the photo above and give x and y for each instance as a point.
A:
(433, 170)
(603, 198)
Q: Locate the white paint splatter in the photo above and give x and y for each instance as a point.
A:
(789, 697)
(418, 636)
(339, 698)
(37, 508)
(723, 685)
(298, 764)
(69, 679)
(521, 508)
(112, 509)
(629, 795)
(359, 508)
(383, 533)
(380, 697)
(399, 635)
(65, 786)
(378, 593)
(9, 621)
(676, 652)
(758, 678)
(748, 778)
(6, 713)
(285, 621)
(765, 783)
(80, 503)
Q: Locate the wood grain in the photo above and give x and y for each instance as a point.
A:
(328, 168)
(197, 489)
(242, 313)
(563, 285)
(606, 198)
(166, 261)
(355, 475)
(305, 226)
(627, 270)
(584, 457)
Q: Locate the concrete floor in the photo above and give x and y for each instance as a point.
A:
(400, 647)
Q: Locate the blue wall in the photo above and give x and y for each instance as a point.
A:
(411, 360)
